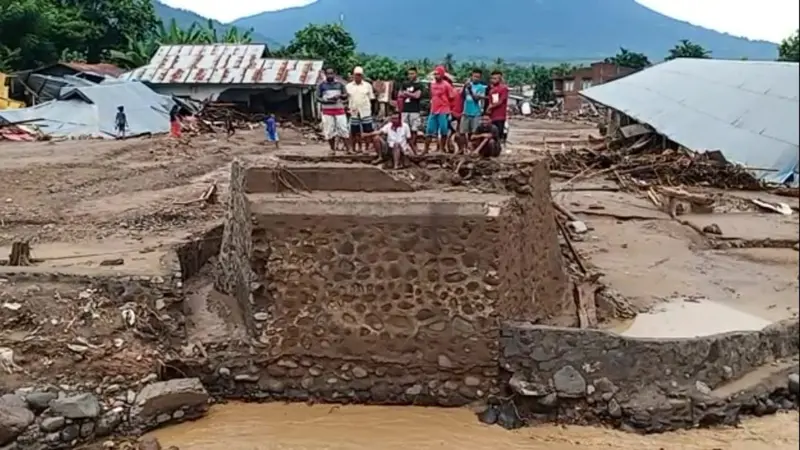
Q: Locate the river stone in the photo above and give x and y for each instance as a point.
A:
(81, 406)
(53, 423)
(569, 382)
(109, 422)
(38, 401)
(149, 443)
(13, 421)
(614, 410)
(164, 397)
(13, 400)
(794, 384)
(70, 432)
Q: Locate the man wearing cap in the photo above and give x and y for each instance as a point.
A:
(438, 126)
(360, 95)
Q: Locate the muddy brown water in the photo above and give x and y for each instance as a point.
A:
(323, 427)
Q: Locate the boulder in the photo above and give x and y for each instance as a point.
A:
(81, 406)
(13, 421)
(38, 401)
(165, 397)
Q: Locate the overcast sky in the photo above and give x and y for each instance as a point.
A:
(757, 19)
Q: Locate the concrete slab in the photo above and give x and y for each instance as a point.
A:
(323, 177)
(423, 203)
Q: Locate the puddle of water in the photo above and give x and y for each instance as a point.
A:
(275, 426)
(683, 319)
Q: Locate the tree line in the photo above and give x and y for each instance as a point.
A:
(35, 33)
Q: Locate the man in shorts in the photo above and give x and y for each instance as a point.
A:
(331, 95)
(486, 139)
(409, 97)
(360, 96)
(473, 95)
(438, 126)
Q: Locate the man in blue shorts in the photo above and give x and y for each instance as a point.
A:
(438, 126)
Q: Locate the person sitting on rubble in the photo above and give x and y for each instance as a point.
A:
(486, 139)
(121, 122)
(392, 141)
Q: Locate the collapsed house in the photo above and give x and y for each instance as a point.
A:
(230, 73)
(747, 111)
(90, 111)
(45, 83)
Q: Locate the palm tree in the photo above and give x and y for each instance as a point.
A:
(688, 49)
(136, 54)
(449, 63)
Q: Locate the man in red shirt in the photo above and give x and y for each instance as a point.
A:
(497, 104)
(438, 125)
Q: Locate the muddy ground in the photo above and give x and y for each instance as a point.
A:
(82, 203)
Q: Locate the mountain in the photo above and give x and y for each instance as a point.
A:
(515, 30)
(185, 19)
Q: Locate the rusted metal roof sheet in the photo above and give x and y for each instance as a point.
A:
(224, 64)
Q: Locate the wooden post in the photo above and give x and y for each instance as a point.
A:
(20, 254)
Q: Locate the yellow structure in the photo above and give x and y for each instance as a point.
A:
(5, 102)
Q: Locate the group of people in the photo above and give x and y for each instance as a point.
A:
(473, 117)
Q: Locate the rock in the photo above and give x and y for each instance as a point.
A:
(246, 377)
(13, 400)
(109, 422)
(53, 423)
(261, 316)
(70, 433)
(224, 372)
(149, 443)
(702, 388)
(360, 372)
(569, 382)
(13, 421)
(549, 399)
(614, 410)
(712, 229)
(38, 401)
(794, 383)
(168, 396)
(444, 362)
(488, 416)
(472, 381)
(81, 406)
(414, 390)
(87, 429)
(578, 227)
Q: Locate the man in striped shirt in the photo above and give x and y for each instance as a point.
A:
(331, 95)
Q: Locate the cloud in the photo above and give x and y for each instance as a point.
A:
(230, 10)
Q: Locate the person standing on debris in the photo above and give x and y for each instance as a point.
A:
(121, 122)
(438, 125)
(331, 95)
(175, 122)
(473, 95)
(360, 95)
(229, 128)
(409, 97)
(271, 129)
(497, 106)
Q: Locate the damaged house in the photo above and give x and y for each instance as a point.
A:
(748, 111)
(232, 73)
(90, 111)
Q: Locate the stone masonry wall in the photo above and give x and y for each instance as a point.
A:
(534, 281)
(233, 266)
(377, 300)
(648, 385)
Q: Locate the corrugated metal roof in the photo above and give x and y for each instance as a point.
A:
(224, 64)
(748, 110)
(103, 69)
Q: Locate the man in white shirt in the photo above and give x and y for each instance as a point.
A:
(393, 139)
(360, 96)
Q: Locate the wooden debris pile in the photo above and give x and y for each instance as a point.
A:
(647, 164)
